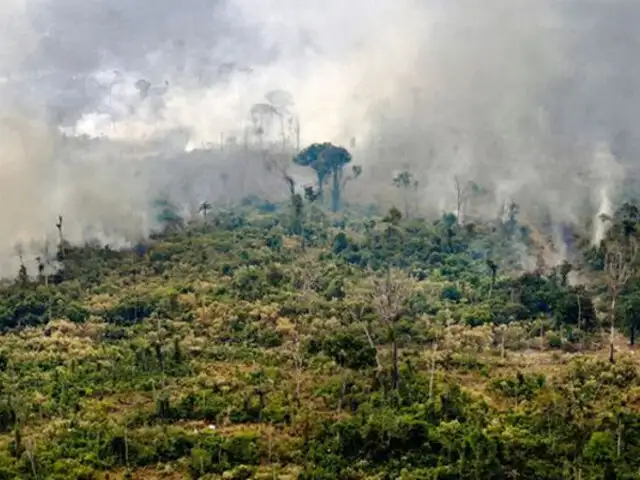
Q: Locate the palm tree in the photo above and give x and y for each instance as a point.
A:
(204, 208)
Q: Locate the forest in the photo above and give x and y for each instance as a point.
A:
(318, 338)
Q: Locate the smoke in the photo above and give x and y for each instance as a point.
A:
(100, 100)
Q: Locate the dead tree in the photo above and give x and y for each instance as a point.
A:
(389, 297)
(59, 227)
(308, 282)
(464, 193)
(619, 266)
(23, 277)
(278, 166)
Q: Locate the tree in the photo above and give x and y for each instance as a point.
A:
(392, 219)
(275, 164)
(282, 101)
(310, 194)
(277, 106)
(630, 310)
(619, 267)
(406, 181)
(298, 213)
(493, 266)
(261, 116)
(463, 194)
(45, 259)
(59, 227)
(389, 297)
(326, 160)
(204, 208)
(620, 257)
(143, 87)
(356, 171)
(168, 215)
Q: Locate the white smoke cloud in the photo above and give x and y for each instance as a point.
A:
(349, 68)
(515, 95)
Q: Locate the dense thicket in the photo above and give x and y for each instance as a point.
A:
(283, 342)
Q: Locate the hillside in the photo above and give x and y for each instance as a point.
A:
(269, 343)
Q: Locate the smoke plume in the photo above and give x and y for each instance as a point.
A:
(101, 100)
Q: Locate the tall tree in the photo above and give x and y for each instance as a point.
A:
(282, 103)
(356, 171)
(389, 297)
(276, 164)
(465, 192)
(205, 208)
(262, 114)
(620, 258)
(277, 106)
(327, 160)
(619, 266)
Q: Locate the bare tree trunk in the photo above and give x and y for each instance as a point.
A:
(373, 345)
(396, 370)
(613, 330)
(32, 462)
(619, 442)
(270, 447)
(406, 206)
(298, 367)
(433, 369)
(343, 392)
(579, 312)
(458, 201)
(126, 447)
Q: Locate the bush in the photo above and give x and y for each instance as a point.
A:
(349, 351)
(554, 340)
(130, 311)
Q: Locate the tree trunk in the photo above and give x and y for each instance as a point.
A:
(433, 370)
(373, 345)
(297, 397)
(33, 463)
(396, 370)
(126, 447)
(458, 202)
(493, 281)
(579, 312)
(321, 179)
(335, 191)
(619, 442)
(343, 392)
(613, 330)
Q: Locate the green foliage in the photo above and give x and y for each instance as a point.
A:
(327, 160)
(259, 345)
(350, 351)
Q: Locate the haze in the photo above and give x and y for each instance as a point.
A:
(533, 99)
